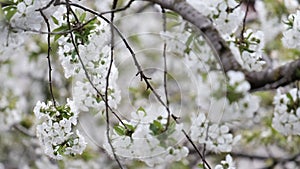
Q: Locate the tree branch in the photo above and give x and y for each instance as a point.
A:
(204, 24)
(274, 78)
(263, 80)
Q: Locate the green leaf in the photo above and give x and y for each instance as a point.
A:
(232, 95)
(201, 165)
(56, 37)
(119, 130)
(55, 20)
(130, 127)
(122, 131)
(82, 17)
(11, 10)
(62, 28)
(288, 95)
(141, 109)
(156, 127)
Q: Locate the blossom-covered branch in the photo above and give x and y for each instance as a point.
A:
(263, 80)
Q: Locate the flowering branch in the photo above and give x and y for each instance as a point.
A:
(48, 56)
(107, 85)
(274, 78)
(263, 80)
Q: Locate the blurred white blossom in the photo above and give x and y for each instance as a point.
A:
(217, 138)
(286, 119)
(228, 163)
(291, 37)
(248, 51)
(145, 138)
(224, 13)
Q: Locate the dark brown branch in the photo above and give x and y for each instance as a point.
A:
(274, 78)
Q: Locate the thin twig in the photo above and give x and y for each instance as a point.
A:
(204, 146)
(48, 57)
(234, 8)
(23, 130)
(195, 148)
(244, 22)
(75, 28)
(143, 8)
(47, 6)
(119, 9)
(107, 85)
(165, 68)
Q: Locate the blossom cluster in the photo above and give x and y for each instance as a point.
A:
(291, 37)
(28, 16)
(249, 49)
(286, 119)
(89, 70)
(56, 130)
(228, 163)
(9, 112)
(144, 138)
(226, 14)
(229, 98)
(217, 138)
(291, 4)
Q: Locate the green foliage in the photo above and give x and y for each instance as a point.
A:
(138, 93)
(266, 98)
(201, 166)
(156, 127)
(27, 122)
(126, 130)
(172, 18)
(9, 11)
(276, 7)
(83, 27)
(159, 129)
(232, 95)
(62, 28)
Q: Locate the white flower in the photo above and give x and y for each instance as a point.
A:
(146, 145)
(286, 119)
(291, 37)
(217, 138)
(10, 111)
(55, 131)
(291, 4)
(226, 22)
(226, 164)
